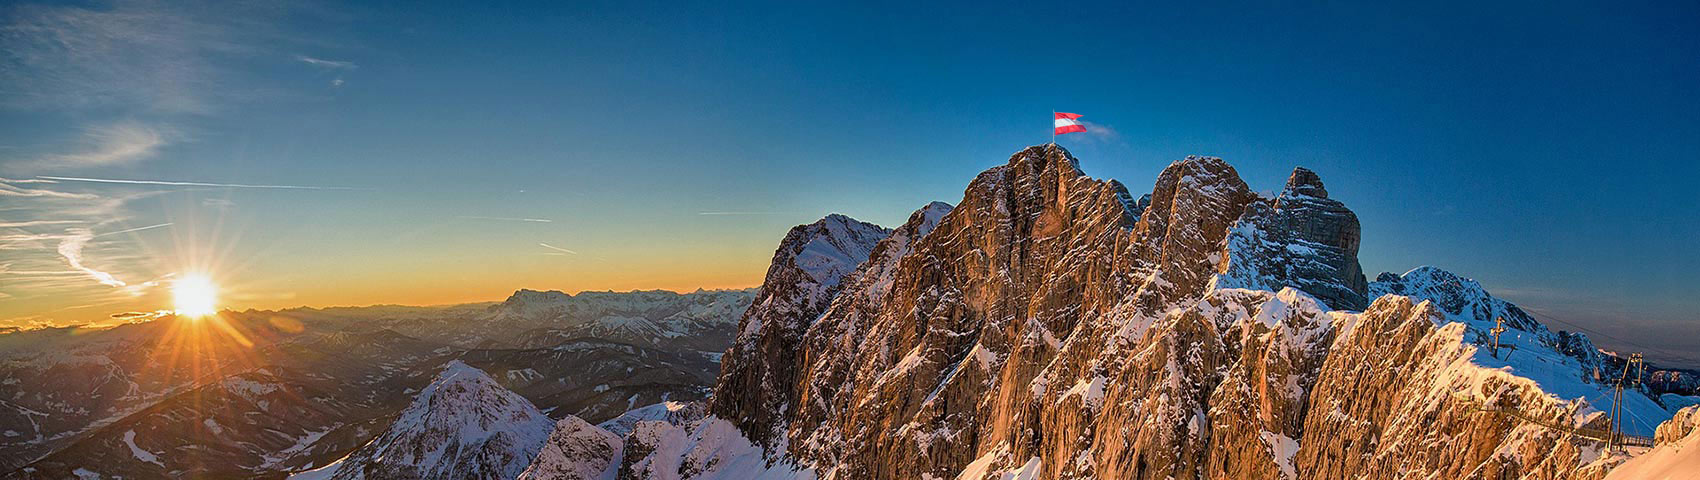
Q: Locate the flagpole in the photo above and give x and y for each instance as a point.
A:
(1053, 127)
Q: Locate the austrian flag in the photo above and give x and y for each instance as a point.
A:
(1067, 123)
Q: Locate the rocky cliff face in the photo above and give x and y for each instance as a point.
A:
(576, 450)
(1676, 454)
(1052, 325)
(1301, 238)
(807, 271)
(1039, 310)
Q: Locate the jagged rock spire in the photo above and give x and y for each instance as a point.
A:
(1301, 239)
(1305, 182)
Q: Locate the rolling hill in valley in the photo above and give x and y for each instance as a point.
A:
(1048, 325)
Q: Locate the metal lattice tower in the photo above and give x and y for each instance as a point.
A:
(1498, 328)
(1614, 437)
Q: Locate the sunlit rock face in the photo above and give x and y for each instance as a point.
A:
(808, 269)
(1051, 323)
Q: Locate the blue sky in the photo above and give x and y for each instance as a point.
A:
(1546, 150)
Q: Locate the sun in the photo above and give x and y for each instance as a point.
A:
(194, 295)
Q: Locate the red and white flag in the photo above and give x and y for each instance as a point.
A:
(1068, 123)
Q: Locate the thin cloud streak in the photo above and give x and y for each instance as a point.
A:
(7, 190)
(507, 219)
(319, 62)
(555, 248)
(171, 183)
(739, 213)
(137, 229)
(118, 144)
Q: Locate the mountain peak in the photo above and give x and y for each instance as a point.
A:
(527, 295)
(1460, 297)
(462, 425)
(1303, 181)
(807, 271)
(456, 369)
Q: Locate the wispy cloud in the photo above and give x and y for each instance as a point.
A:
(109, 145)
(506, 219)
(7, 189)
(158, 57)
(173, 183)
(158, 62)
(338, 66)
(333, 64)
(740, 213)
(47, 230)
(71, 248)
(555, 248)
(1101, 132)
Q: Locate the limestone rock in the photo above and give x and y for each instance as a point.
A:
(576, 450)
(1301, 238)
(757, 373)
(1051, 325)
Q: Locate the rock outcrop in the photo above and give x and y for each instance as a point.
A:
(576, 450)
(1686, 422)
(807, 270)
(1676, 454)
(1300, 238)
(1038, 309)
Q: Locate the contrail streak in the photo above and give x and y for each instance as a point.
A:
(137, 229)
(192, 184)
(508, 219)
(552, 247)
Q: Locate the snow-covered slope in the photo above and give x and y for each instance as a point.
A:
(1528, 350)
(677, 413)
(463, 425)
(1675, 457)
(708, 449)
(575, 451)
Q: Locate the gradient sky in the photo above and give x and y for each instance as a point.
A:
(1549, 151)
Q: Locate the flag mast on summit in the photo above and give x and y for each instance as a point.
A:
(1064, 123)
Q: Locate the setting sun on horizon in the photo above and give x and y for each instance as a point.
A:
(194, 295)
